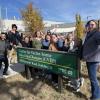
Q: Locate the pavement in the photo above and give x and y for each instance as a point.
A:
(12, 70)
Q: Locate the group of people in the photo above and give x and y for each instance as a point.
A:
(89, 50)
(54, 42)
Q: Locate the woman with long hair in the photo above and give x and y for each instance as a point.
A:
(53, 47)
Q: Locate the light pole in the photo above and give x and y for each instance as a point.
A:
(88, 18)
(6, 13)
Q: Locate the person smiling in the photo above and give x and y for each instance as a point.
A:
(91, 54)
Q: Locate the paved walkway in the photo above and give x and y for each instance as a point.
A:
(12, 70)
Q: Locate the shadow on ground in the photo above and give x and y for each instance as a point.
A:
(6, 88)
(11, 88)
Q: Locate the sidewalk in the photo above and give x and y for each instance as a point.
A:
(12, 70)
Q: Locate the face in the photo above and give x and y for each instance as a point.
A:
(26, 39)
(3, 36)
(38, 34)
(14, 28)
(24, 35)
(54, 38)
(91, 26)
(62, 37)
(70, 37)
(48, 37)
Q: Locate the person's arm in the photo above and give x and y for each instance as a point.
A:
(71, 47)
(19, 37)
(9, 37)
(50, 47)
(99, 68)
(8, 45)
(33, 44)
(97, 38)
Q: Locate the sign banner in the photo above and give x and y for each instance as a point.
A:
(63, 63)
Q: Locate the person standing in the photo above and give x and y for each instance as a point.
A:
(73, 45)
(3, 53)
(13, 36)
(37, 44)
(46, 42)
(91, 54)
(37, 41)
(14, 39)
(53, 47)
(26, 43)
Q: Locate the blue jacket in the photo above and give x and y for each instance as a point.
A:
(60, 44)
(45, 44)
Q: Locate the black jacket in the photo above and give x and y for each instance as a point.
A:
(28, 45)
(15, 39)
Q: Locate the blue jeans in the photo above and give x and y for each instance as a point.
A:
(92, 70)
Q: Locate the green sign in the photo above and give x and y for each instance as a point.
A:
(58, 62)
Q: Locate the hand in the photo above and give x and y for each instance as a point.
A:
(14, 46)
(11, 44)
(99, 69)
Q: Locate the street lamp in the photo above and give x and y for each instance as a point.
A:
(88, 17)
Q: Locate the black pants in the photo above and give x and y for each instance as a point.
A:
(28, 71)
(5, 61)
(54, 77)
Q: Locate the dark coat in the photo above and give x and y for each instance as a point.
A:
(91, 47)
(28, 45)
(14, 38)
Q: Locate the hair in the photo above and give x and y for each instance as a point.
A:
(92, 21)
(3, 33)
(49, 32)
(54, 34)
(47, 35)
(26, 37)
(35, 34)
(51, 37)
(67, 37)
(14, 25)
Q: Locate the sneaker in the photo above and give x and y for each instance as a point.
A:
(81, 81)
(77, 89)
(76, 85)
(5, 73)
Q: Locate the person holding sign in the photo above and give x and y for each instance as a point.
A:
(37, 44)
(26, 43)
(53, 47)
(73, 44)
(91, 54)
